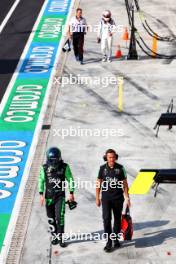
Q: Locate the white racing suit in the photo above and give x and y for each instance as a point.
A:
(105, 33)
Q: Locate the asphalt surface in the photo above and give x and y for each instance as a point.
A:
(5, 7)
(15, 35)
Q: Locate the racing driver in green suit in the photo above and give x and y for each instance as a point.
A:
(51, 186)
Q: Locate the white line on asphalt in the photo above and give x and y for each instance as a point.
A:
(16, 208)
(19, 197)
(4, 22)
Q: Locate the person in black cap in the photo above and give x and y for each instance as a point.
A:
(52, 182)
(113, 186)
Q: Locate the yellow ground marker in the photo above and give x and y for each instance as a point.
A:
(142, 183)
(142, 17)
(120, 94)
(154, 46)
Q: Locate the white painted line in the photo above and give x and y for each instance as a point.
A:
(12, 9)
(19, 197)
(21, 60)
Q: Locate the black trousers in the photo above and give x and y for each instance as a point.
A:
(78, 44)
(109, 206)
(56, 214)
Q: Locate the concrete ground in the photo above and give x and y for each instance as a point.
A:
(149, 85)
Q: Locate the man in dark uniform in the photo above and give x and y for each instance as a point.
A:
(52, 182)
(77, 30)
(112, 183)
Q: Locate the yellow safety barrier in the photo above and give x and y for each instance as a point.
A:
(120, 94)
(154, 46)
(142, 183)
(142, 17)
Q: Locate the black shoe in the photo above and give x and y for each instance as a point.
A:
(116, 244)
(81, 62)
(108, 247)
(54, 241)
(62, 244)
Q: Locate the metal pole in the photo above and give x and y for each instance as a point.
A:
(132, 55)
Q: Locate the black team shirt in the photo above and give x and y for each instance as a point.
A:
(112, 181)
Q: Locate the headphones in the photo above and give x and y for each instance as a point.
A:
(110, 151)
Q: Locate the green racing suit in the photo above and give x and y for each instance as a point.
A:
(52, 183)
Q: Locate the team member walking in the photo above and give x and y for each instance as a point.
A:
(77, 30)
(106, 30)
(52, 182)
(113, 186)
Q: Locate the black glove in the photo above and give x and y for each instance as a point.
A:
(98, 40)
(72, 205)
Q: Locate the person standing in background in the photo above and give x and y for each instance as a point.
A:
(106, 30)
(77, 30)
